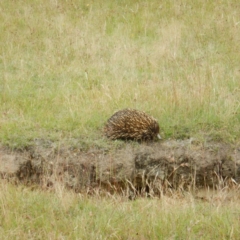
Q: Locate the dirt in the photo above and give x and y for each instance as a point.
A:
(152, 167)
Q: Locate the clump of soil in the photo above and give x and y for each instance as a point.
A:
(154, 167)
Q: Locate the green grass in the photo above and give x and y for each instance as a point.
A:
(66, 66)
(26, 214)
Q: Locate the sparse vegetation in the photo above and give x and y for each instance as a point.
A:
(66, 66)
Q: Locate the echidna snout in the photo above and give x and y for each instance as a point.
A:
(131, 124)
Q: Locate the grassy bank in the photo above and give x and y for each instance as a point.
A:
(66, 66)
(64, 215)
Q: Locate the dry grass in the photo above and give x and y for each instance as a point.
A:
(27, 214)
(68, 65)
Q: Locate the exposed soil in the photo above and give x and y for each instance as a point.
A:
(154, 167)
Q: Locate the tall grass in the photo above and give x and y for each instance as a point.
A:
(26, 214)
(66, 66)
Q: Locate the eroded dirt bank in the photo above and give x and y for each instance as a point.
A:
(156, 166)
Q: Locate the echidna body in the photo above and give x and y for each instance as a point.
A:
(131, 124)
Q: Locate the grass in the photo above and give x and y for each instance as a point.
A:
(66, 66)
(27, 214)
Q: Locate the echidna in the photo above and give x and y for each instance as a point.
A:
(131, 124)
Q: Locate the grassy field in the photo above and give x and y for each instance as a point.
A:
(66, 66)
(27, 214)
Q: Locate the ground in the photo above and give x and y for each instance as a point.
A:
(135, 167)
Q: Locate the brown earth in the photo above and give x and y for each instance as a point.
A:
(152, 167)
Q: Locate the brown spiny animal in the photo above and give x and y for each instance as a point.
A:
(131, 124)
